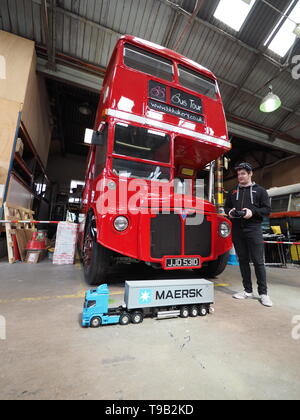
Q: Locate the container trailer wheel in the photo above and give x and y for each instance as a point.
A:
(214, 268)
(95, 257)
(137, 318)
(124, 319)
(194, 311)
(203, 310)
(184, 312)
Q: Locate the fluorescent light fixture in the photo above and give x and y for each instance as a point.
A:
(134, 146)
(234, 12)
(287, 34)
(156, 133)
(271, 102)
(297, 30)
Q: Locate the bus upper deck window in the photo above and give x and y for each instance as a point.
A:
(147, 62)
(197, 82)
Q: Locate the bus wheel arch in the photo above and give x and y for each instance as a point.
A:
(95, 257)
(214, 268)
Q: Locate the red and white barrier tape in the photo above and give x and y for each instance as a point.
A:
(279, 242)
(30, 221)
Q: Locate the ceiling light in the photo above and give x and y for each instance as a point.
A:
(85, 109)
(297, 30)
(270, 103)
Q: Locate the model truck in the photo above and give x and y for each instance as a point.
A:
(157, 298)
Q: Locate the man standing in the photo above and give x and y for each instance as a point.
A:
(246, 205)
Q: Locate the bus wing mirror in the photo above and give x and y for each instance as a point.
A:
(93, 137)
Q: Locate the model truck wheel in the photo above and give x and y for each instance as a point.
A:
(95, 322)
(203, 310)
(95, 257)
(137, 318)
(194, 311)
(124, 319)
(184, 312)
(214, 268)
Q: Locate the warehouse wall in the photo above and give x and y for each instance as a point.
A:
(282, 173)
(63, 170)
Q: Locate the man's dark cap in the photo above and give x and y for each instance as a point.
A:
(245, 166)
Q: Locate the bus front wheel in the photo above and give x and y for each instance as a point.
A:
(95, 257)
(214, 268)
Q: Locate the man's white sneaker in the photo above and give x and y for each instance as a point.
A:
(265, 300)
(243, 295)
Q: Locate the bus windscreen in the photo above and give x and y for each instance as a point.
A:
(142, 143)
(140, 170)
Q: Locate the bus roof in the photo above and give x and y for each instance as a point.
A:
(167, 53)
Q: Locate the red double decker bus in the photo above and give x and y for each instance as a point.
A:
(160, 124)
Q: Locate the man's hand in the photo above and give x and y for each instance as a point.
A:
(249, 214)
(229, 214)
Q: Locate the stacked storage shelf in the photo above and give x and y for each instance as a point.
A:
(24, 115)
(25, 132)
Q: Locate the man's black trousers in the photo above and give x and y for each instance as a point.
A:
(248, 243)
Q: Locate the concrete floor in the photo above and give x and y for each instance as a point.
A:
(243, 351)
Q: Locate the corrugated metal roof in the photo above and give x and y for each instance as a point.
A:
(89, 29)
(261, 21)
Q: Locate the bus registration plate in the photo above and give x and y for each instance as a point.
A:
(180, 263)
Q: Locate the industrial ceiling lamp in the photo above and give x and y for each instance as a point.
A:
(297, 30)
(271, 102)
(85, 109)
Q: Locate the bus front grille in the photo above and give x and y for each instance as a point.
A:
(165, 235)
(198, 238)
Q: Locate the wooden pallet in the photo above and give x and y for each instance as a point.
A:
(23, 231)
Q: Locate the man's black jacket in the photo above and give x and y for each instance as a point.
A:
(254, 198)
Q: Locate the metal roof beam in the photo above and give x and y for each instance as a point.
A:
(48, 15)
(80, 18)
(262, 138)
(249, 92)
(285, 119)
(259, 53)
(70, 75)
(220, 31)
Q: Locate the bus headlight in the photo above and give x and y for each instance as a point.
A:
(224, 230)
(112, 185)
(121, 223)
